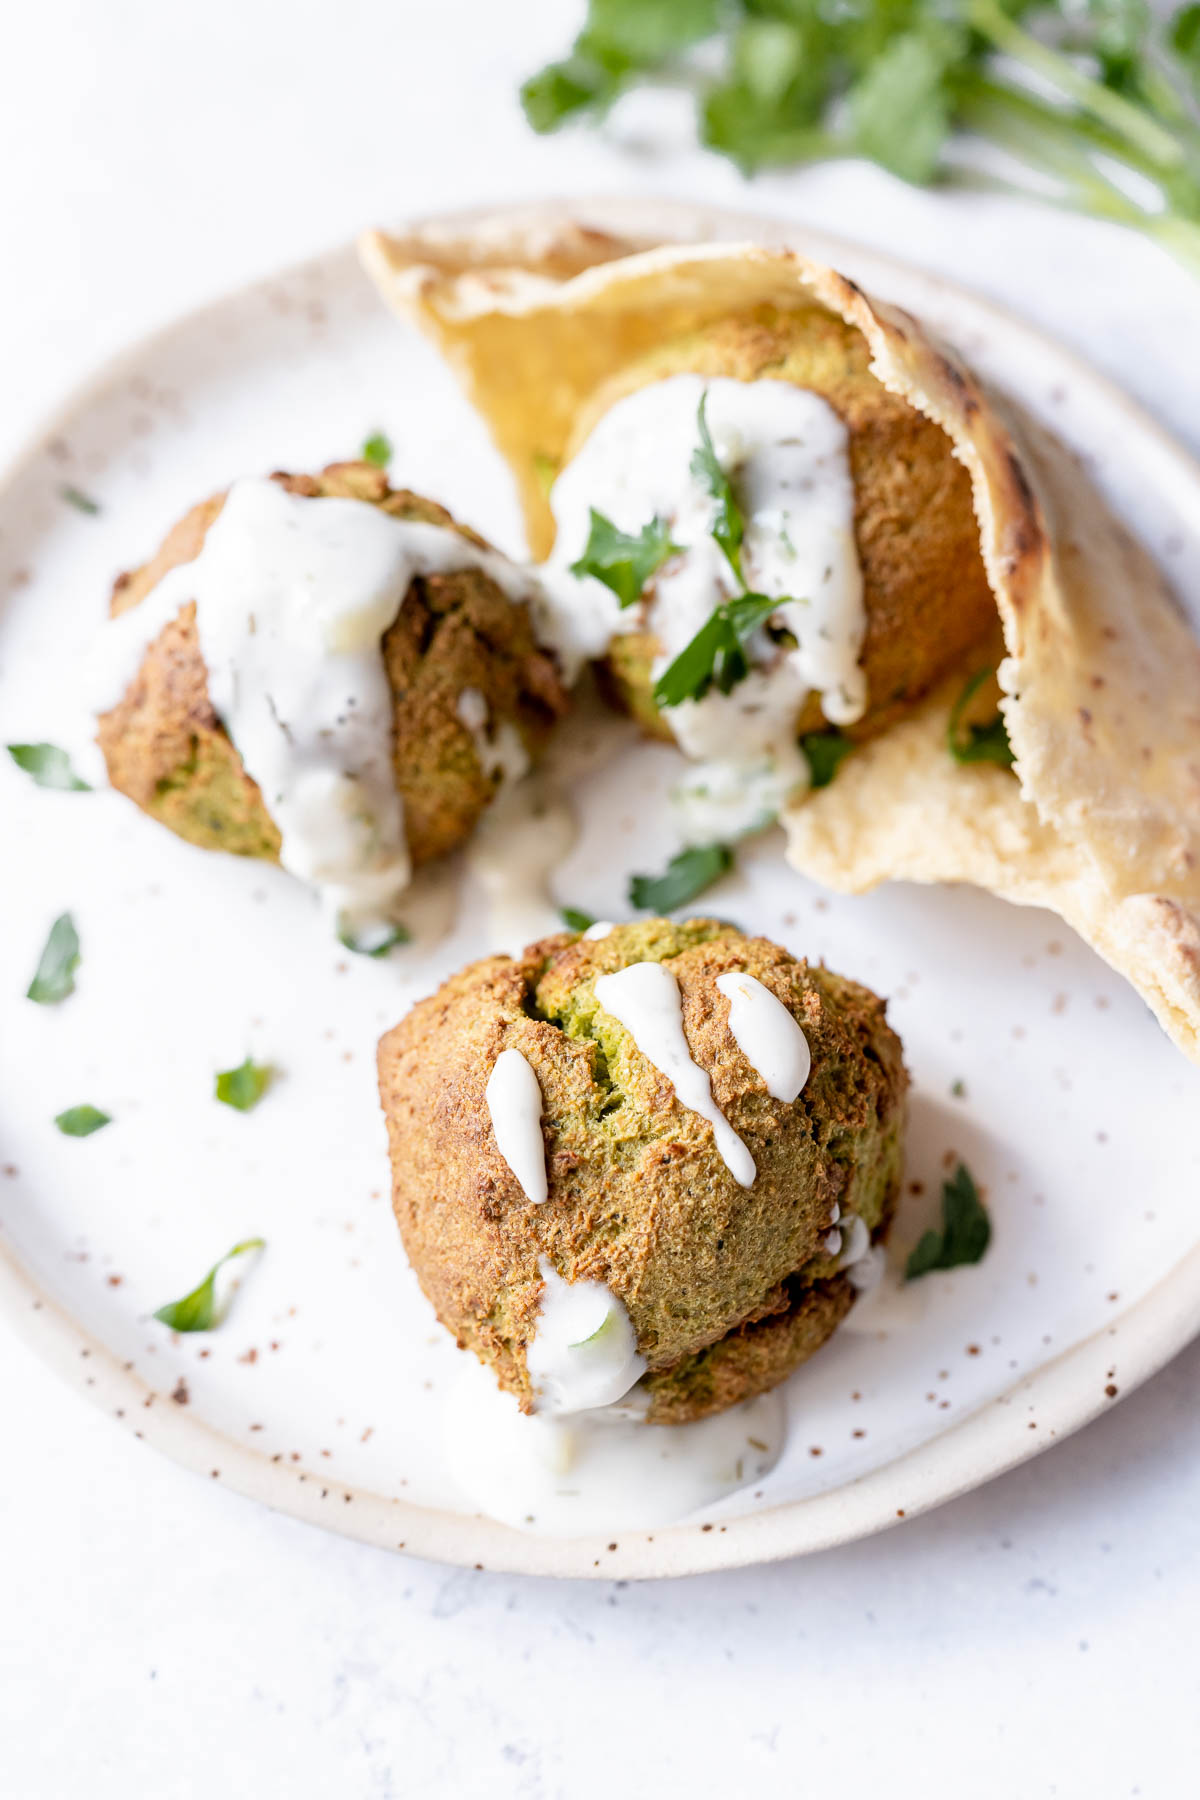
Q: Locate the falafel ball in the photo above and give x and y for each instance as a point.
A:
(728, 1287)
(167, 750)
(929, 609)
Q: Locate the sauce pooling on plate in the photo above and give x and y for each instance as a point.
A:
(603, 1470)
(786, 453)
(586, 1460)
(645, 999)
(293, 596)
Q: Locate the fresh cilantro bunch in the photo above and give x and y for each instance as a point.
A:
(1084, 92)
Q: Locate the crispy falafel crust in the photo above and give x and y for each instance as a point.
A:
(728, 1288)
(167, 750)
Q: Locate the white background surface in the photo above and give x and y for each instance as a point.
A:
(158, 1636)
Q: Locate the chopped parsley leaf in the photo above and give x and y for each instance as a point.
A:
(55, 977)
(243, 1087)
(728, 526)
(622, 562)
(686, 875)
(977, 743)
(823, 751)
(377, 450)
(81, 1121)
(79, 500)
(49, 766)
(716, 656)
(965, 1234)
(376, 947)
(574, 920)
(199, 1311)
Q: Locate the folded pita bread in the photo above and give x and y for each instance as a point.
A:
(1101, 681)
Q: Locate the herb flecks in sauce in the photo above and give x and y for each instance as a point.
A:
(375, 944)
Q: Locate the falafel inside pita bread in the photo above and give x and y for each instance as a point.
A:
(1098, 816)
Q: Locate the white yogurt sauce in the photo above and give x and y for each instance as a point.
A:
(866, 1272)
(786, 453)
(293, 597)
(855, 1242)
(600, 1471)
(601, 929)
(645, 999)
(584, 1352)
(767, 1035)
(521, 839)
(514, 1099)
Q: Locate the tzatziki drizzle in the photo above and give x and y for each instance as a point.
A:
(645, 999)
(514, 1101)
(767, 1035)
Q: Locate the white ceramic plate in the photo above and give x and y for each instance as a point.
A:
(322, 1393)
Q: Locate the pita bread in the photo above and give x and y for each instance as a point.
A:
(1101, 681)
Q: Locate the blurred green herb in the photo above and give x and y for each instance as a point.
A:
(977, 743)
(370, 946)
(823, 752)
(377, 450)
(624, 563)
(55, 977)
(79, 500)
(574, 920)
(1078, 95)
(545, 469)
(81, 1121)
(243, 1087)
(685, 876)
(199, 1311)
(49, 766)
(965, 1234)
(728, 526)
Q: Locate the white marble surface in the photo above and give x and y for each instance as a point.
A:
(158, 1636)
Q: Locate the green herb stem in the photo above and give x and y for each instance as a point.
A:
(1128, 120)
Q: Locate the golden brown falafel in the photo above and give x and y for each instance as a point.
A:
(167, 750)
(928, 604)
(728, 1288)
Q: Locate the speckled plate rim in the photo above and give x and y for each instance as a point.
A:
(1058, 1398)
